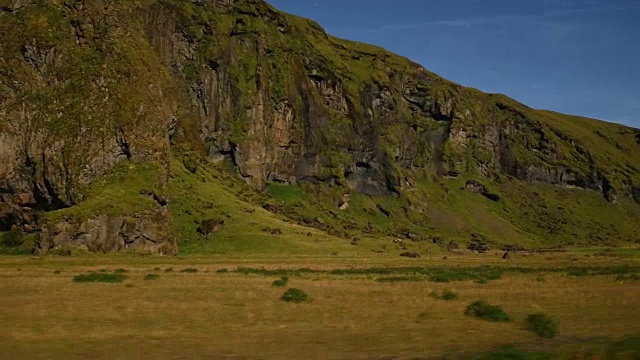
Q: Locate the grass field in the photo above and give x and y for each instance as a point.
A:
(229, 308)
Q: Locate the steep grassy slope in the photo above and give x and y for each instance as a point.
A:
(152, 118)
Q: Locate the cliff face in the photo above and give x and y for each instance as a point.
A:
(98, 94)
(288, 103)
(81, 92)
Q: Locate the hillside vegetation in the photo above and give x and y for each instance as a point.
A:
(228, 127)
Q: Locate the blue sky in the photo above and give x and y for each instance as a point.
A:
(577, 57)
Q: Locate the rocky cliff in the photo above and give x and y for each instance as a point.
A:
(97, 97)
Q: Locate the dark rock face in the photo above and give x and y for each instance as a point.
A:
(478, 188)
(210, 226)
(635, 192)
(13, 5)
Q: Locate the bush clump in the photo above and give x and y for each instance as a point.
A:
(446, 295)
(483, 310)
(295, 295)
(282, 282)
(152, 277)
(99, 277)
(478, 243)
(120, 271)
(449, 295)
(12, 239)
(542, 325)
(189, 270)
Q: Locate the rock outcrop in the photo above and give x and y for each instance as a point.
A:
(147, 233)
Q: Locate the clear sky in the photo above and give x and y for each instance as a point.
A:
(573, 56)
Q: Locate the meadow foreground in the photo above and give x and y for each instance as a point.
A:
(369, 308)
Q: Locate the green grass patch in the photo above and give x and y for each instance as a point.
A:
(599, 349)
(295, 295)
(15, 251)
(483, 310)
(99, 277)
(436, 274)
(542, 325)
(117, 193)
(282, 282)
(479, 274)
(12, 239)
(286, 193)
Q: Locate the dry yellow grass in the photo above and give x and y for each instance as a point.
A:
(208, 315)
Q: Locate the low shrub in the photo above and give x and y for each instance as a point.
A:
(152, 277)
(483, 310)
(99, 277)
(449, 295)
(189, 270)
(542, 325)
(12, 239)
(295, 295)
(282, 282)
(168, 270)
(222, 271)
(446, 295)
(120, 271)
